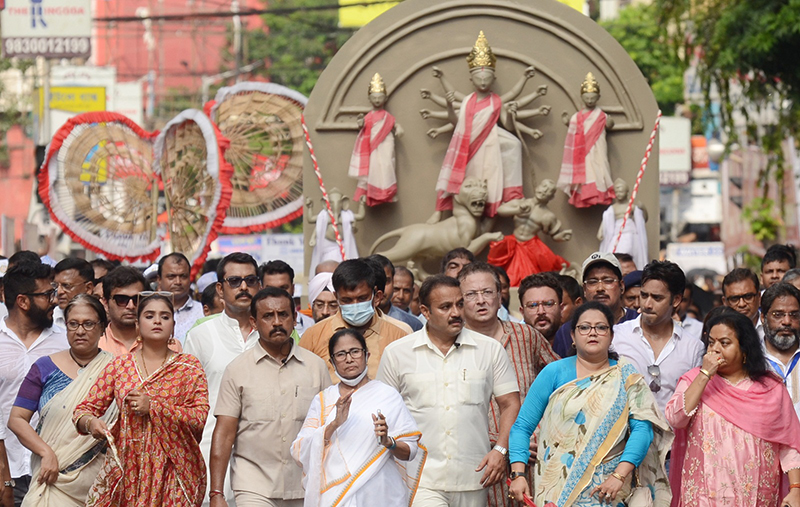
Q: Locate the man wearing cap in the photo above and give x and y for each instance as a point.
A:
(633, 286)
(602, 282)
(322, 297)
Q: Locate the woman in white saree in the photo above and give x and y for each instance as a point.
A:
(64, 464)
(359, 446)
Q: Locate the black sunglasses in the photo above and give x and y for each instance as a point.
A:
(122, 300)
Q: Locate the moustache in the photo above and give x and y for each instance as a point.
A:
(278, 331)
(244, 295)
(456, 321)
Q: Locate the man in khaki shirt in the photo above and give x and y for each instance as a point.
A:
(354, 283)
(262, 403)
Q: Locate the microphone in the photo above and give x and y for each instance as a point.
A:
(283, 361)
(457, 344)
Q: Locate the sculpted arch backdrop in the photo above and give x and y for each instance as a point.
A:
(406, 42)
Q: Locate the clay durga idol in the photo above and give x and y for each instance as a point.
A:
(585, 171)
(419, 242)
(480, 148)
(524, 253)
(373, 159)
(324, 239)
(633, 239)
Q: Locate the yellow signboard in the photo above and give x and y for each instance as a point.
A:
(359, 15)
(575, 4)
(75, 99)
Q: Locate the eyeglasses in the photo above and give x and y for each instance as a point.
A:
(655, 371)
(88, 325)
(234, 282)
(488, 294)
(354, 353)
(607, 282)
(748, 298)
(778, 315)
(122, 300)
(149, 293)
(534, 305)
(322, 305)
(50, 294)
(600, 329)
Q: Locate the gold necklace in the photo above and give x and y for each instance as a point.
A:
(144, 363)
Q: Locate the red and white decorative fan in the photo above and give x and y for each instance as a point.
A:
(263, 123)
(102, 181)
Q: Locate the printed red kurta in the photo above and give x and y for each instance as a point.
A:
(160, 453)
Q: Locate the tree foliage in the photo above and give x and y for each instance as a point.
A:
(653, 50)
(14, 110)
(745, 51)
(297, 47)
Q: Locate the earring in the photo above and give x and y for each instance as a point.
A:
(171, 340)
(744, 361)
(139, 339)
(573, 346)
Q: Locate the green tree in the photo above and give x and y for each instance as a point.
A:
(744, 51)
(14, 110)
(297, 46)
(653, 50)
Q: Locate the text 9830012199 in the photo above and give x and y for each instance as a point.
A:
(51, 47)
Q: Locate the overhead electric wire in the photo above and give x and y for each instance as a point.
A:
(229, 14)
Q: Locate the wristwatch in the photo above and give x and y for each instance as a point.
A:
(502, 450)
(514, 475)
(10, 484)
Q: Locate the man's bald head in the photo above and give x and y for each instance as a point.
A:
(326, 267)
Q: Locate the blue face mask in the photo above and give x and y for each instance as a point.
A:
(357, 314)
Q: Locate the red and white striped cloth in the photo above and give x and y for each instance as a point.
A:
(373, 159)
(585, 171)
(480, 149)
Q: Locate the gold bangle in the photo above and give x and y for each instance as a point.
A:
(794, 485)
(705, 372)
(86, 424)
(618, 476)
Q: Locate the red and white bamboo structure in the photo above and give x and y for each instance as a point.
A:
(638, 180)
(334, 223)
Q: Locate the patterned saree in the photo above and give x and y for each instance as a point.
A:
(583, 434)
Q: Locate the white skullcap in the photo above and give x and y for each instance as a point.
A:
(206, 280)
(319, 283)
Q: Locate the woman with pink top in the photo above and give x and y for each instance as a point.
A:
(736, 432)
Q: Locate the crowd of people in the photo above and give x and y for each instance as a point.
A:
(123, 387)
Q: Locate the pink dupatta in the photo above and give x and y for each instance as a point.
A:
(767, 397)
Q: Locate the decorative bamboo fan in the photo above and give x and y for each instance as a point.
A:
(98, 182)
(263, 123)
(197, 186)
(102, 182)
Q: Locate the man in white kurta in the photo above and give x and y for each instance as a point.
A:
(219, 340)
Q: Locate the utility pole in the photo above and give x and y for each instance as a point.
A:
(237, 38)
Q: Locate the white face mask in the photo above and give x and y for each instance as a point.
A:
(352, 382)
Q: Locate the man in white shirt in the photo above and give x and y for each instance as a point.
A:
(174, 276)
(73, 276)
(741, 291)
(655, 343)
(220, 339)
(780, 313)
(25, 335)
(280, 275)
(447, 376)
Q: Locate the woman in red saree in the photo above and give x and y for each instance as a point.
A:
(154, 454)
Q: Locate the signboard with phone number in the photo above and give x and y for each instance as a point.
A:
(46, 28)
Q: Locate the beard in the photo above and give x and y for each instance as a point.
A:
(780, 341)
(40, 317)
